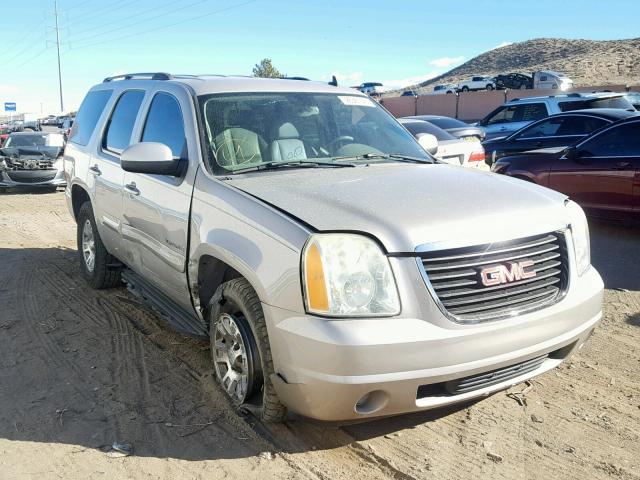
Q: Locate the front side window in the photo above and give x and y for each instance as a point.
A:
(117, 135)
(248, 129)
(620, 141)
(165, 125)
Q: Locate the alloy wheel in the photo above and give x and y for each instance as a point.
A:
(230, 355)
(88, 246)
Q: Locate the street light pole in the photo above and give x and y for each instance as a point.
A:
(55, 13)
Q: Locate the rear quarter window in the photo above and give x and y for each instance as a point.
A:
(88, 116)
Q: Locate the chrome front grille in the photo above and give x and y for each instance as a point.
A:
(464, 279)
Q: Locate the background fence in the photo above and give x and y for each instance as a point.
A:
(472, 106)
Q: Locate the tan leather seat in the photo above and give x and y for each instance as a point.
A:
(237, 146)
(287, 145)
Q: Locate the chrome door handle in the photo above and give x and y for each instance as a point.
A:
(131, 189)
(95, 171)
(622, 165)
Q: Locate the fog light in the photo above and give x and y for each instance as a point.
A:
(371, 402)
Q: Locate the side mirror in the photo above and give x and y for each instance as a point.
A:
(428, 142)
(150, 157)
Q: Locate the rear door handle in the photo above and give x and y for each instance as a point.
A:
(131, 189)
(95, 171)
(622, 165)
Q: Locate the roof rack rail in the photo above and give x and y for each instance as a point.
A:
(575, 94)
(139, 76)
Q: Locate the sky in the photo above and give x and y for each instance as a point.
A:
(396, 43)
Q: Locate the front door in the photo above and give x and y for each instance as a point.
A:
(600, 175)
(157, 207)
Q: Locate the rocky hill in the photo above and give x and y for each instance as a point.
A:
(587, 62)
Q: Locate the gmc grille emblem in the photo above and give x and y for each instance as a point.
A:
(510, 272)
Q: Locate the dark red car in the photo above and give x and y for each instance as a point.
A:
(601, 173)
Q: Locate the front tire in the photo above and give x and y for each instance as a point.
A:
(99, 268)
(489, 87)
(241, 352)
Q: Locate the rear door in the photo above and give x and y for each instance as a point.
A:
(105, 168)
(157, 207)
(601, 175)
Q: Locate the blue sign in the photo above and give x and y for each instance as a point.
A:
(9, 106)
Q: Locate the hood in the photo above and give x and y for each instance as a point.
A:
(407, 205)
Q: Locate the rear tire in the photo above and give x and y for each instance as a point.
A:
(99, 268)
(465, 89)
(238, 328)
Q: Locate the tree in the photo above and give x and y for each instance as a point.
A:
(265, 69)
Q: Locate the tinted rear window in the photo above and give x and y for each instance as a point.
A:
(447, 122)
(426, 127)
(118, 134)
(88, 115)
(615, 102)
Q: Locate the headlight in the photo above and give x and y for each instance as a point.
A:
(347, 275)
(580, 234)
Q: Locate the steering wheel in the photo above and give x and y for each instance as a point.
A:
(335, 144)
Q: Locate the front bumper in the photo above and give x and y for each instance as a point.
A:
(324, 367)
(32, 178)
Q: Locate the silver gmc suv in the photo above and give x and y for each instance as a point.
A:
(338, 270)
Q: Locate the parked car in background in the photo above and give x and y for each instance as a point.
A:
(335, 268)
(452, 150)
(514, 81)
(553, 80)
(477, 83)
(409, 93)
(372, 88)
(559, 130)
(445, 88)
(519, 112)
(455, 127)
(29, 159)
(599, 173)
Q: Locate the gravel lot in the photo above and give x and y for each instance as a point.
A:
(82, 369)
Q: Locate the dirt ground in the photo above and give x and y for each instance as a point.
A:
(81, 369)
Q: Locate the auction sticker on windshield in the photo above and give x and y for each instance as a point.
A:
(354, 101)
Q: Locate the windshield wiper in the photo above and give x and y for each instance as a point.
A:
(386, 156)
(274, 164)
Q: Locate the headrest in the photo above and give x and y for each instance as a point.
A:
(287, 130)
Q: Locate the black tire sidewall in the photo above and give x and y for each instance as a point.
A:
(103, 275)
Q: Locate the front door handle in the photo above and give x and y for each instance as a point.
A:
(95, 171)
(131, 189)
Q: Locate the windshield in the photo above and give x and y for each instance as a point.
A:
(36, 140)
(244, 130)
(49, 145)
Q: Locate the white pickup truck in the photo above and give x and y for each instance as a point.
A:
(477, 83)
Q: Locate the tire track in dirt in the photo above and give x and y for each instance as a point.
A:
(51, 351)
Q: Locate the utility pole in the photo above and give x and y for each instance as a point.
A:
(55, 13)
